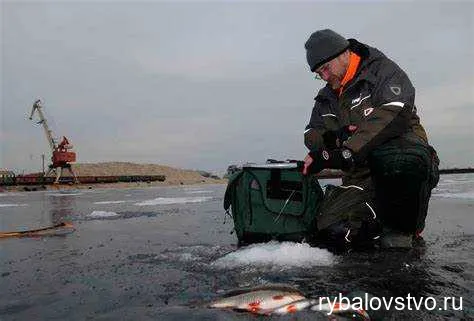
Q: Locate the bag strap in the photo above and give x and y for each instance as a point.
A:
(230, 187)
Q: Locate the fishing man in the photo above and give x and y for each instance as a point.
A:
(364, 122)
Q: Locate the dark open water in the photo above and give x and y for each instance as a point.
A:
(163, 253)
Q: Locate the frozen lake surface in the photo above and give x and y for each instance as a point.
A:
(162, 253)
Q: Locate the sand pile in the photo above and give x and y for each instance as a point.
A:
(173, 175)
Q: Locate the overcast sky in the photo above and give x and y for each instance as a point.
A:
(203, 85)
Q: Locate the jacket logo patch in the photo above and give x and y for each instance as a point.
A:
(368, 111)
(352, 128)
(396, 90)
(325, 155)
(356, 100)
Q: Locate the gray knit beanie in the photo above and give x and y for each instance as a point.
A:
(322, 46)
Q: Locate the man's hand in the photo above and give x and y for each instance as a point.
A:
(316, 161)
(308, 166)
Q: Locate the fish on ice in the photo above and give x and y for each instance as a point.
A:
(281, 299)
(262, 299)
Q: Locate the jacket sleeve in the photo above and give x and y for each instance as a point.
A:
(389, 116)
(313, 134)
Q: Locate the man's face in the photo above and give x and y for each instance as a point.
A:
(333, 71)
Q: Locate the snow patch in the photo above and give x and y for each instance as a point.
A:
(12, 205)
(102, 214)
(173, 200)
(286, 254)
(110, 202)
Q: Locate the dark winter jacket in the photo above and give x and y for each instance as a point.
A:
(377, 105)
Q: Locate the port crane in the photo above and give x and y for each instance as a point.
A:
(62, 154)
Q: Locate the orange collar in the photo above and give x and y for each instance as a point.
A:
(354, 61)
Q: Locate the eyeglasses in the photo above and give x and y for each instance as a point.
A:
(322, 69)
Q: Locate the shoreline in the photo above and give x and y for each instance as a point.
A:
(173, 177)
(118, 185)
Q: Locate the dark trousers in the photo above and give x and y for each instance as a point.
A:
(392, 193)
(402, 202)
(403, 175)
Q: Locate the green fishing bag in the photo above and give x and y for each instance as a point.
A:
(273, 201)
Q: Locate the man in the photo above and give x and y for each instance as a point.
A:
(364, 122)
